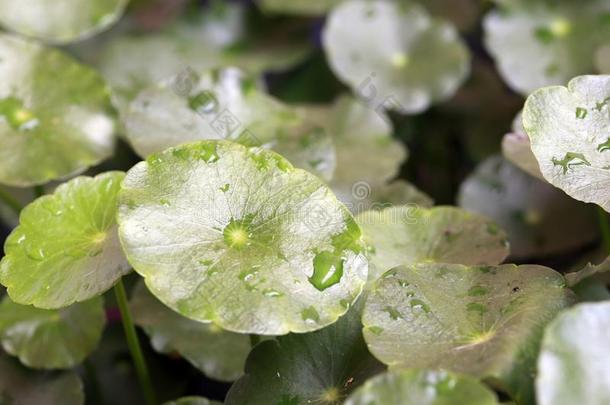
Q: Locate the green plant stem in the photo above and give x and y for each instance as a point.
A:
(38, 191)
(604, 228)
(134, 344)
(10, 201)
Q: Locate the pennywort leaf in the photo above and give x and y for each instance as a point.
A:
(199, 217)
(54, 114)
(66, 247)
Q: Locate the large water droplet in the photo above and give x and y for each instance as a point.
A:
(327, 270)
(271, 293)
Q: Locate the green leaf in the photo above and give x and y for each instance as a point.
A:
(197, 218)
(322, 367)
(61, 21)
(224, 104)
(51, 339)
(540, 219)
(410, 234)
(192, 401)
(66, 247)
(220, 355)
(54, 114)
(422, 387)
(19, 385)
(517, 149)
(543, 43)
(485, 321)
(298, 7)
(573, 367)
(587, 271)
(570, 134)
(395, 55)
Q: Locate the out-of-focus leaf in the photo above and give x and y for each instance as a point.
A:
(192, 401)
(197, 218)
(540, 220)
(517, 149)
(587, 271)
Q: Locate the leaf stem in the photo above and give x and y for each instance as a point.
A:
(134, 344)
(10, 201)
(602, 218)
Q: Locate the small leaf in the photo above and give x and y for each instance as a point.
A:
(61, 21)
(395, 55)
(411, 234)
(54, 114)
(51, 339)
(224, 104)
(192, 401)
(22, 386)
(540, 219)
(422, 387)
(320, 367)
(570, 134)
(589, 270)
(485, 321)
(538, 44)
(220, 355)
(572, 367)
(190, 240)
(66, 247)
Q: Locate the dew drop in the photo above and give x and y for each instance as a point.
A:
(419, 305)
(581, 113)
(327, 270)
(271, 293)
(164, 202)
(204, 102)
(35, 253)
(310, 315)
(392, 312)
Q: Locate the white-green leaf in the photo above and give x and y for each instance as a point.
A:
(200, 217)
(224, 104)
(411, 234)
(588, 271)
(573, 363)
(517, 149)
(54, 114)
(51, 339)
(220, 355)
(485, 321)
(66, 248)
(542, 43)
(19, 385)
(422, 387)
(569, 129)
(540, 219)
(322, 367)
(60, 21)
(394, 55)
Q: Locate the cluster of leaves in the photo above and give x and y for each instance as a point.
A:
(273, 245)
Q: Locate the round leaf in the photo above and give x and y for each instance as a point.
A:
(220, 355)
(60, 21)
(51, 339)
(517, 149)
(320, 367)
(66, 247)
(224, 104)
(540, 219)
(484, 321)
(395, 54)
(573, 363)
(411, 234)
(54, 114)
(541, 43)
(422, 387)
(570, 134)
(19, 385)
(200, 217)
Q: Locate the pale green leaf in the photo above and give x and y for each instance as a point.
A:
(66, 247)
(588, 271)
(54, 114)
(540, 219)
(298, 7)
(422, 387)
(540, 43)
(485, 321)
(517, 149)
(51, 339)
(22, 386)
(220, 355)
(569, 129)
(411, 234)
(224, 104)
(394, 54)
(320, 367)
(197, 218)
(60, 21)
(573, 363)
